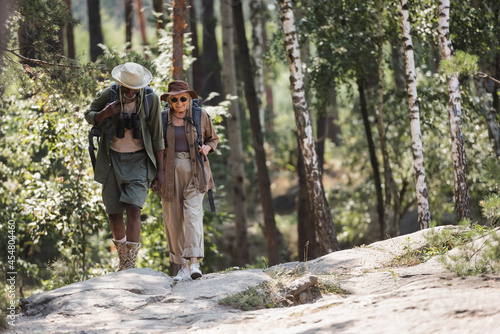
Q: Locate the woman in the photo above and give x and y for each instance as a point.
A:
(183, 183)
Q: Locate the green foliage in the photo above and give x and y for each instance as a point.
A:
(461, 63)
(480, 255)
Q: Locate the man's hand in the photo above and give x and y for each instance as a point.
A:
(109, 110)
(157, 182)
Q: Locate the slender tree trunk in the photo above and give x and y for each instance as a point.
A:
(388, 228)
(234, 133)
(334, 133)
(308, 247)
(489, 113)
(273, 236)
(212, 81)
(179, 14)
(158, 8)
(95, 31)
(373, 156)
(142, 21)
(4, 14)
(129, 10)
(322, 217)
(462, 198)
(424, 215)
(196, 53)
(70, 37)
(257, 51)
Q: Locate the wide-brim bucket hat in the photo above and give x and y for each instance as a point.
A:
(132, 75)
(177, 87)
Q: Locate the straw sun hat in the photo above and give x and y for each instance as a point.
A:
(132, 75)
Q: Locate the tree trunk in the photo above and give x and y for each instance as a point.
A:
(4, 14)
(373, 156)
(257, 52)
(388, 229)
(158, 8)
(462, 198)
(179, 13)
(142, 21)
(422, 195)
(489, 112)
(196, 68)
(333, 131)
(210, 60)
(129, 9)
(95, 30)
(273, 236)
(234, 133)
(322, 217)
(308, 247)
(70, 37)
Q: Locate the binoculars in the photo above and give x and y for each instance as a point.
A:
(129, 122)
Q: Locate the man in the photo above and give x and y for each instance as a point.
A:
(130, 156)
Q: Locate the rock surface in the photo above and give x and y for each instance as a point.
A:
(421, 299)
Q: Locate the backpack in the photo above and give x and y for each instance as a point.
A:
(96, 130)
(196, 121)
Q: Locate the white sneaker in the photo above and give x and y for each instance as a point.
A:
(182, 274)
(195, 271)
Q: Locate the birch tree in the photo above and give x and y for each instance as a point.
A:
(234, 133)
(421, 192)
(462, 198)
(323, 221)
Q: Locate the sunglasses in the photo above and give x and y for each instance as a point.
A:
(174, 99)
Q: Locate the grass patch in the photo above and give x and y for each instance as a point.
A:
(479, 245)
(282, 291)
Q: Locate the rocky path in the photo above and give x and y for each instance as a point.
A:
(382, 299)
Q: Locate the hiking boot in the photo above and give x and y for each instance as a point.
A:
(122, 255)
(195, 271)
(182, 274)
(133, 250)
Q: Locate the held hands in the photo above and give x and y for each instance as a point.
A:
(157, 182)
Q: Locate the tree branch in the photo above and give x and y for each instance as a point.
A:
(38, 61)
(484, 75)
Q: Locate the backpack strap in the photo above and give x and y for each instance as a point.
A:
(196, 121)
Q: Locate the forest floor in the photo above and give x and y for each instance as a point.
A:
(359, 290)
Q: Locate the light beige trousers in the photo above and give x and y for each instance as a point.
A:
(183, 218)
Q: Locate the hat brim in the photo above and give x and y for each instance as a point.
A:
(164, 97)
(145, 80)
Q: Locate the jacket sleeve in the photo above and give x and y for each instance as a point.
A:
(97, 105)
(156, 125)
(210, 137)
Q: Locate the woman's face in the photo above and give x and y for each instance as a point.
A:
(180, 102)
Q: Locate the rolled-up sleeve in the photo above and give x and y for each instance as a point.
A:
(97, 105)
(210, 137)
(157, 125)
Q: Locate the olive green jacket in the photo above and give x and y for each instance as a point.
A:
(152, 135)
(209, 137)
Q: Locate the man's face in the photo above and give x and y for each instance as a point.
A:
(129, 93)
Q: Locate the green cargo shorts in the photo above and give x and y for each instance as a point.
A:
(127, 181)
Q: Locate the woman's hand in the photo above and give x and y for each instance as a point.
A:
(204, 149)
